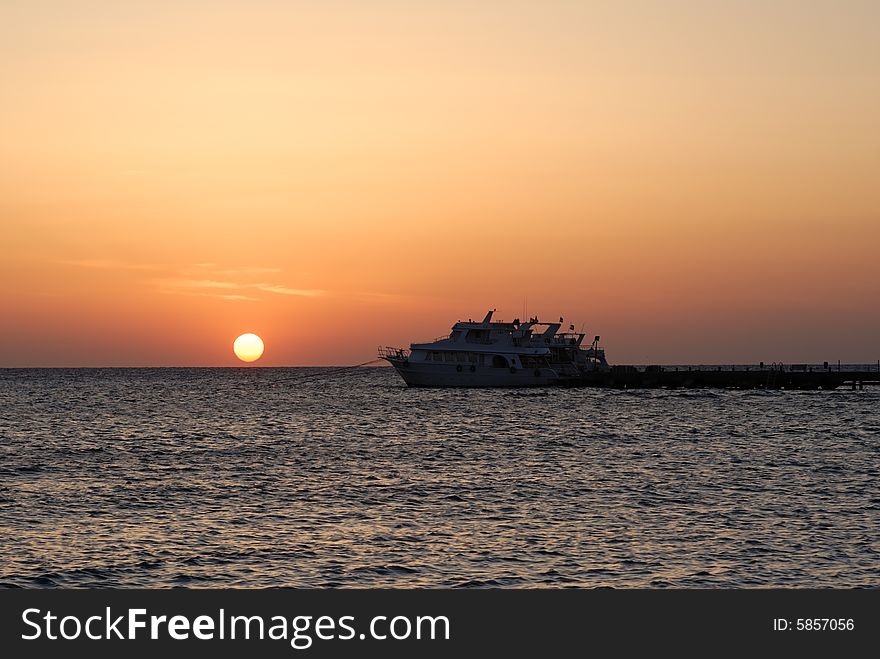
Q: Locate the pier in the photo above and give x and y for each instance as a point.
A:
(757, 376)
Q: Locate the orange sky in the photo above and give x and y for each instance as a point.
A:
(694, 181)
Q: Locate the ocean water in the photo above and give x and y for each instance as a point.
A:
(259, 477)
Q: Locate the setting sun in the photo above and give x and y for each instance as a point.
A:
(248, 347)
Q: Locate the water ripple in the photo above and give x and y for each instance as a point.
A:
(309, 477)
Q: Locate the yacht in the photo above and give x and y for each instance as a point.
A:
(567, 354)
(497, 354)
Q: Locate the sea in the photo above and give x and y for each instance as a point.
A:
(329, 478)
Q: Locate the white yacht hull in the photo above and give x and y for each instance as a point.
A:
(417, 374)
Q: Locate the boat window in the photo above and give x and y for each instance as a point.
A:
(449, 356)
(499, 362)
(436, 356)
(455, 335)
(472, 357)
(474, 336)
(462, 356)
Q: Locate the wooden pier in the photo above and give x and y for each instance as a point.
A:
(775, 376)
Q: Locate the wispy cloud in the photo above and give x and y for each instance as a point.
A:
(206, 279)
(241, 271)
(197, 283)
(221, 296)
(375, 297)
(245, 272)
(109, 264)
(284, 290)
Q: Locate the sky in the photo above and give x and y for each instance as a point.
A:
(696, 182)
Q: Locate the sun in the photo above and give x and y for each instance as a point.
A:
(248, 347)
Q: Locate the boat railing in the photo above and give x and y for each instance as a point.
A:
(392, 352)
(434, 340)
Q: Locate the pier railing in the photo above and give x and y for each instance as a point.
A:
(737, 376)
(773, 366)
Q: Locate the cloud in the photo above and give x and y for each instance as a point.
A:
(284, 290)
(205, 279)
(198, 283)
(186, 284)
(108, 264)
(243, 271)
(221, 296)
(235, 272)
